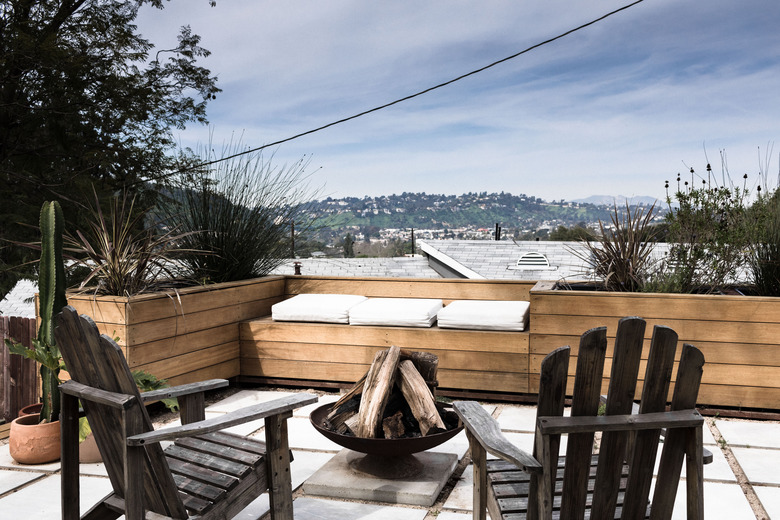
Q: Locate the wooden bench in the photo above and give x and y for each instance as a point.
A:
(473, 360)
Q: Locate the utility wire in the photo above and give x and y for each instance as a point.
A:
(411, 96)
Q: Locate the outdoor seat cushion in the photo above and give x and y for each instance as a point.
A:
(327, 308)
(484, 315)
(396, 312)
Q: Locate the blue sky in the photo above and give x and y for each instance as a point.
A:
(615, 109)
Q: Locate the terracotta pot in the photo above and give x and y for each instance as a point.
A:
(33, 443)
(88, 451)
(31, 409)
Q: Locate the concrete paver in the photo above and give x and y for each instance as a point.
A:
(770, 499)
(760, 466)
(754, 444)
(754, 434)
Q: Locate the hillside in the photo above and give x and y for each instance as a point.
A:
(516, 214)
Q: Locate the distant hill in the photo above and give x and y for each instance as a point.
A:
(514, 213)
(609, 200)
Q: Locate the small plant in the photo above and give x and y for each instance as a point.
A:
(621, 256)
(51, 299)
(123, 254)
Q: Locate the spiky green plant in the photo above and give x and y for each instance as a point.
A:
(620, 257)
(51, 299)
(124, 254)
(242, 212)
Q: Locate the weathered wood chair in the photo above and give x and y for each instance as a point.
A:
(205, 473)
(615, 482)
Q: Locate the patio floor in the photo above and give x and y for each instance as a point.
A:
(743, 482)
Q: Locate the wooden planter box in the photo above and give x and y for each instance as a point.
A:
(186, 335)
(282, 352)
(738, 335)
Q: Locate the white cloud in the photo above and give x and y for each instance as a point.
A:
(614, 109)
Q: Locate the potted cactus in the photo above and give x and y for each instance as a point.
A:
(35, 439)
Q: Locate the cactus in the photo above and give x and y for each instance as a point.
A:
(51, 300)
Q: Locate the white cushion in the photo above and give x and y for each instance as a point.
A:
(484, 315)
(398, 312)
(328, 308)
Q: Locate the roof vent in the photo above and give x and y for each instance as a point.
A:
(533, 260)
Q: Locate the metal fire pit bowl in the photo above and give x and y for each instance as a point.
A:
(381, 447)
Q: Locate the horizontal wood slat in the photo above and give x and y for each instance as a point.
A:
(447, 289)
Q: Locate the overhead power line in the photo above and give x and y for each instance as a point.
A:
(411, 96)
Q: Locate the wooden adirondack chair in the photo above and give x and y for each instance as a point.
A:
(205, 473)
(614, 483)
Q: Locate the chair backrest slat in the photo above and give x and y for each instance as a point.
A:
(658, 376)
(585, 402)
(626, 356)
(686, 390)
(97, 361)
(552, 398)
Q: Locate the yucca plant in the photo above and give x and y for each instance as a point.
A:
(620, 258)
(242, 211)
(123, 253)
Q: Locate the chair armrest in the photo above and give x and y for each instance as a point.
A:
(96, 395)
(181, 390)
(250, 413)
(487, 432)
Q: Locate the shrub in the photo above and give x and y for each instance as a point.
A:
(621, 257)
(708, 235)
(241, 212)
(764, 259)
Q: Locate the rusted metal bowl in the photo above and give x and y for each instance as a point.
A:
(380, 447)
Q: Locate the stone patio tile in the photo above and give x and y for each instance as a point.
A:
(721, 502)
(458, 445)
(521, 417)
(306, 508)
(7, 462)
(760, 466)
(449, 515)
(462, 495)
(718, 469)
(753, 433)
(304, 411)
(245, 398)
(301, 434)
(41, 499)
(770, 499)
(302, 467)
(95, 469)
(13, 479)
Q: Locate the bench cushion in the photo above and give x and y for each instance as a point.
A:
(484, 315)
(396, 312)
(327, 308)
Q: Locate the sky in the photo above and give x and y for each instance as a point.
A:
(617, 108)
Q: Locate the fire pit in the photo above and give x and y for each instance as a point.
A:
(388, 435)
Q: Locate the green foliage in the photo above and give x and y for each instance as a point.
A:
(709, 235)
(764, 259)
(124, 255)
(349, 246)
(146, 382)
(86, 100)
(574, 233)
(51, 296)
(237, 218)
(621, 256)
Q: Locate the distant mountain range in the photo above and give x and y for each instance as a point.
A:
(620, 200)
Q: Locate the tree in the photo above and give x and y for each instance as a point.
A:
(349, 246)
(85, 101)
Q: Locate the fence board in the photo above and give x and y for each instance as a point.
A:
(19, 382)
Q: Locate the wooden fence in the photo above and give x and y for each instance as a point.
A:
(19, 381)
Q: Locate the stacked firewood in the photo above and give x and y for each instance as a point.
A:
(393, 400)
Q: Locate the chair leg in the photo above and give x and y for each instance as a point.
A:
(694, 474)
(479, 460)
(69, 455)
(278, 466)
